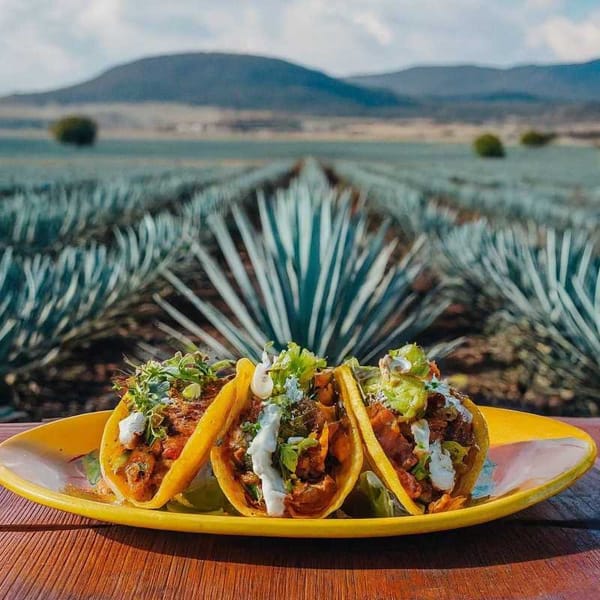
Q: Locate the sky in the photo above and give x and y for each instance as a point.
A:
(47, 44)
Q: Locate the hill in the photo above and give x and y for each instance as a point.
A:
(578, 82)
(233, 81)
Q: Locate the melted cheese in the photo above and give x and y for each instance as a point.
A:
(261, 451)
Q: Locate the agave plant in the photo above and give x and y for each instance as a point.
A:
(312, 175)
(49, 302)
(315, 273)
(545, 283)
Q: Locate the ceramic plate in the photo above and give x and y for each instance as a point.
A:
(531, 458)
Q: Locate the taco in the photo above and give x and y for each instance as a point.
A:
(426, 441)
(293, 449)
(161, 432)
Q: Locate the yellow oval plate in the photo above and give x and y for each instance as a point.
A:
(535, 458)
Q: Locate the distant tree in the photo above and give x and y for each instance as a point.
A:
(488, 145)
(536, 139)
(75, 129)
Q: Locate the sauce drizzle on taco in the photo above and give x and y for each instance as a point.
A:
(293, 450)
(162, 408)
(427, 440)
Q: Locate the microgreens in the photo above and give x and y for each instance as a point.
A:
(148, 389)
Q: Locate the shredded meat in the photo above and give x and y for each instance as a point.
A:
(427, 491)
(435, 402)
(138, 474)
(147, 466)
(310, 498)
(387, 431)
(311, 464)
(437, 429)
(325, 388)
(250, 478)
(316, 414)
(182, 416)
(434, 370)
(173, 446)
(396, 440)
(238, 456)
(409, 483)
(460, 431)
(340, 446)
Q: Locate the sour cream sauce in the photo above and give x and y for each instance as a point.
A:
(130, 426)
(261, 451)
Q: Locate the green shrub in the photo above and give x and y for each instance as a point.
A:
(488, 145)
(77, 130)
(536, 138)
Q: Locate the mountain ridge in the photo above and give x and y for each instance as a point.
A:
(236, 81)
(571, 82)
(248, 82)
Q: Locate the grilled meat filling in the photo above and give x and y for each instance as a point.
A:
(312, 485)
(145, 466)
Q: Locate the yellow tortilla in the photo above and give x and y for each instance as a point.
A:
(475, 459)
(384, 468)
(345, 480)
(195, 452)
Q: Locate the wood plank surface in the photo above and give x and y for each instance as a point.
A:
(551, 550)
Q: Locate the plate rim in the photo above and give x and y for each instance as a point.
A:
(299, 528)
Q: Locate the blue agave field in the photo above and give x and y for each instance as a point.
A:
(496, 272)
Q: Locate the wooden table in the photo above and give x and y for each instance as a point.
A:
(551, 550)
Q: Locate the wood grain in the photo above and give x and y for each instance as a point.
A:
(551, 550)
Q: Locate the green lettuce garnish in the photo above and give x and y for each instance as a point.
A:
(289, 452)
(457, 451)
(295, 362)
(406, 395)
(420, 470)
(369, 498)
(204, 493)
(415, 355)
(398, 382)
(91, 467)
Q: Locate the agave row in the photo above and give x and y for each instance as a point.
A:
(560, 185)
(412, 210)
(547, 284)
(509, 203)
(43, 221)
(48, 302)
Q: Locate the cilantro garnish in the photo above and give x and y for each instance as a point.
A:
(148, 388)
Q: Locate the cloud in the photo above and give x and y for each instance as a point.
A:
(48, 44)
(569, 40)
